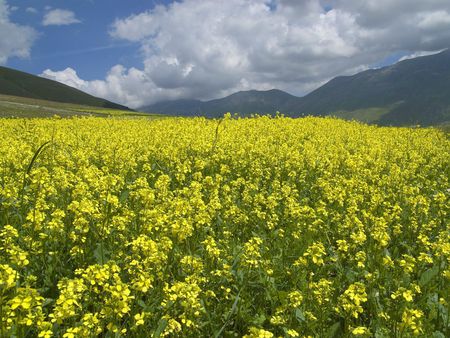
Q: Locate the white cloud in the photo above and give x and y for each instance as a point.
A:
(15, 40)
(208, 48)
(419, 54)
(31, 10)
(435, 19)
(67, 76)
(59, 17)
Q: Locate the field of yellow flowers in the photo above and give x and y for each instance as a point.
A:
(256, 227)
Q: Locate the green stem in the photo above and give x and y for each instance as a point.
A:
(102, 258)
(2, 332)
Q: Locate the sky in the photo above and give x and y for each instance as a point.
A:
(138, 52)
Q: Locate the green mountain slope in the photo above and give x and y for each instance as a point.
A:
(17, 83)
(409, 92)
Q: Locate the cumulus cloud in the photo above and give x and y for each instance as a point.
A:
(67, 76)
(206, 48)
(15, 40)
(59, 17)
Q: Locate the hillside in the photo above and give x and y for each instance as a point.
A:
(17, 83)
(410, 92)
(25, 107)
(414, 91)
(253, 101)
(177, 107)
(244, 102)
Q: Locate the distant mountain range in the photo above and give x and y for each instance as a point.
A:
(413, 91)
(245, 102)
(17, 83)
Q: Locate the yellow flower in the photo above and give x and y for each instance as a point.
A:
(258, 333)
(350, 301)
(342, 245)
(316, 251)
(45, 334)
(360, 331)
(8, 277)
(411, 321)
(139, 319)
(408, 295)
(295, 299)
(252, 252)
(292, 333)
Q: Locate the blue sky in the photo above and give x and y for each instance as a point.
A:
(137, 52)
(86, 46)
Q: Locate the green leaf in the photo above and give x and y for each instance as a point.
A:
(443, 312)
(36, 154)
(259, 320)
(48, 301)
(382, 333)
(428, 275)
(124, 195)
(299, 315)
(161, 326)
(333, 330)
(101, 254)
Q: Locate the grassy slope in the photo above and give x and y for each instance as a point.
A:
(15, 106)
(369, 115)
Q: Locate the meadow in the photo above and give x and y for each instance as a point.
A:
(25, 107)
(253, 227)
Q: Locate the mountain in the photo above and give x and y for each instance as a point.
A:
(180, 107)
(244, 102)
(252, 101)
(17, 83)
(413, 91)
